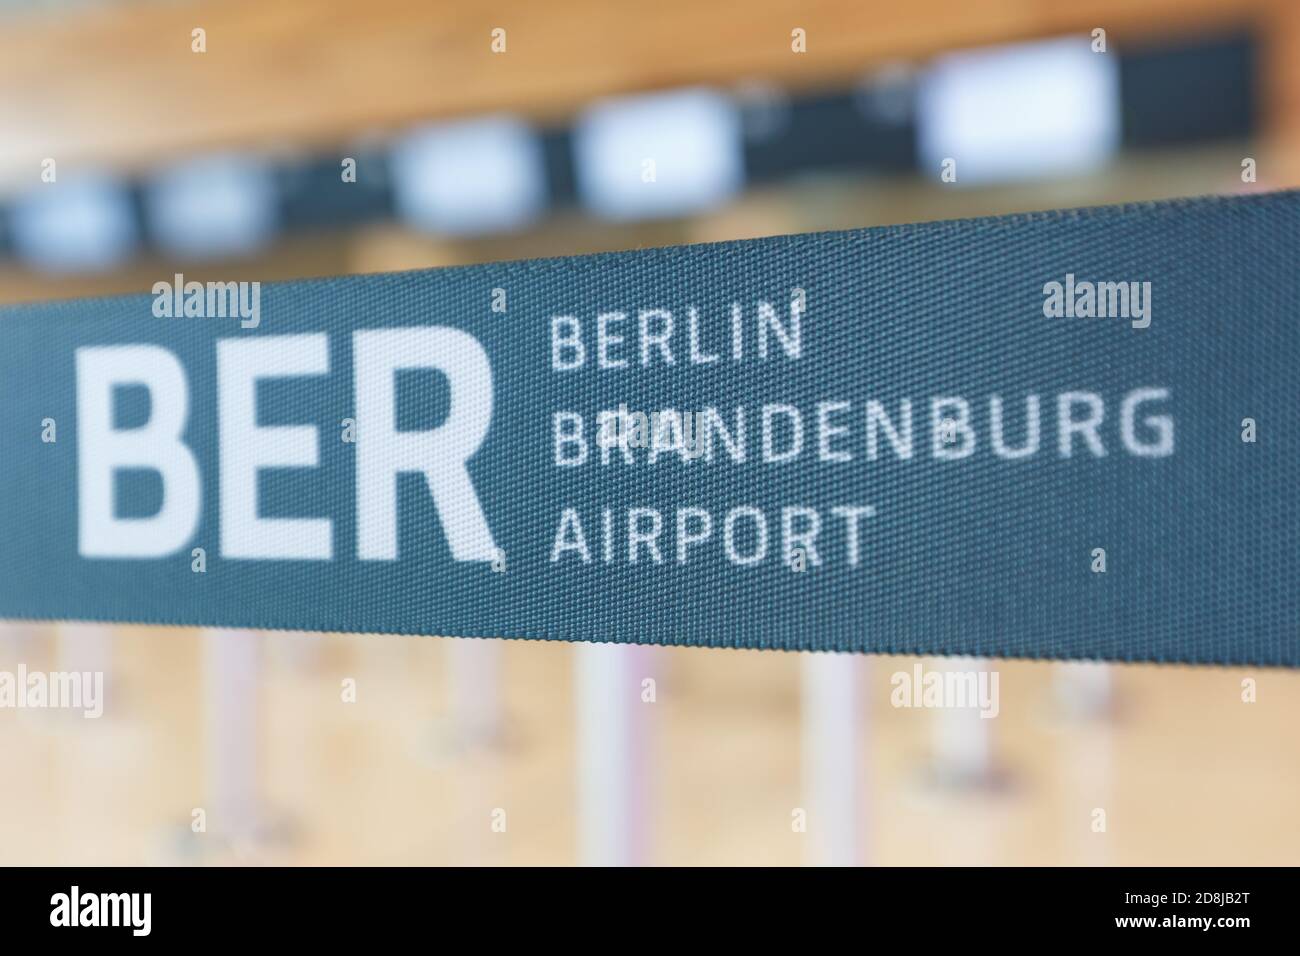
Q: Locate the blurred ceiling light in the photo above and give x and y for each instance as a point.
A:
(888, 94)
(82, 223)
(469, 178)
(764, 110)
(659, 155)
(1019, 112)
(212, 207)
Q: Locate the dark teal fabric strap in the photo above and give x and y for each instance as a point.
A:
(1062, 435)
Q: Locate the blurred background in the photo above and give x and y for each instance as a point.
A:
(244, 139)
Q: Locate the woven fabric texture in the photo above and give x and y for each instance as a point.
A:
(945, 541)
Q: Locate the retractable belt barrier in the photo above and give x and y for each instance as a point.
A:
(1064, 435)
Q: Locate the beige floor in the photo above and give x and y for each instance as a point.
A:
(1187, 772)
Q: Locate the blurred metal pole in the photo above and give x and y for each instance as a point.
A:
(230, 676)
(1083, 693)
(1083, 689)
(962, 738)
(474, 675)
(1089, 775)
(612, 758)
(832, 765)
(16, 639)
(86, 648)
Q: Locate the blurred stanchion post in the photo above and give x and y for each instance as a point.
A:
(1083, 689)
(231, 669)
(17, 638)
(612, 754)
(962, 747)
(832, 723)
(298, 650)
(962, 737)
(474, 676)
(1088, 772)
(1084, 696)
(86, 648)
